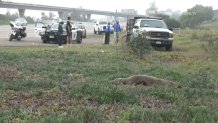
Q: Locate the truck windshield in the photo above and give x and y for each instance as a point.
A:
(103, 22)
(153, 23)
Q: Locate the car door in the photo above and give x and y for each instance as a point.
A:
(39, 28)
(82, 27)
(74, 32)
(96, 26)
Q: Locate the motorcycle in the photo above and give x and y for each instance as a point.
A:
(18, 30)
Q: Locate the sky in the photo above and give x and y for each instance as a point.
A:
(113, 5)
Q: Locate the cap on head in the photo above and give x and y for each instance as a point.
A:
(68, 18)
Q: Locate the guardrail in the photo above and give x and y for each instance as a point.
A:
(177, 31)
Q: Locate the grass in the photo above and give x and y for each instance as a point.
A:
(209, 24)
(4, 20)
(50, 85)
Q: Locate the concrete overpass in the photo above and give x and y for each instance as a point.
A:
(23, 6)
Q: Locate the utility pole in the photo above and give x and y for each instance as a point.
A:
(116, 15)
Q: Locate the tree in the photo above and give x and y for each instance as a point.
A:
(13, 16)
(152, 10)
(8, 13)
(51, 15)
(44, 16)
(77, 15)
(196, 15)
(172, 23)
(29, 19)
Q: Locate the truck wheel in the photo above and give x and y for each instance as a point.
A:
(65, 40)
(84, 35)
(79, 41)
(79, 38)
(11, 37)
(168, 47)
(44, 41)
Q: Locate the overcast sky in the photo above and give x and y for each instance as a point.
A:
(112, 5)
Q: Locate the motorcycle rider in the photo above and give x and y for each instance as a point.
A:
(18, 29)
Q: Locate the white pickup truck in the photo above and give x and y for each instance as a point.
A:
(156, 30)
(100, 27)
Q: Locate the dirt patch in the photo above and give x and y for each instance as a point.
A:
(73, 79)
(3, 106)
(153, 103)
(54, 99)
(112, 111)
(9, 75)
(34, 76)
(216, 90)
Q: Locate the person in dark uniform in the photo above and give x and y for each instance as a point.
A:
(69, 31)
(60, 32)
(107, 33)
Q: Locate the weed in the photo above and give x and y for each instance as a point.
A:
(104, 94)
(139, 45)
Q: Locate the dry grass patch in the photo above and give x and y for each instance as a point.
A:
(9, 74)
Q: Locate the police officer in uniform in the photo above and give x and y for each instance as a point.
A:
(107, 33)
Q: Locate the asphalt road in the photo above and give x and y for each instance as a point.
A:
(34, 40)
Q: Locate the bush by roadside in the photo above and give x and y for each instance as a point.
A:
(138, 45)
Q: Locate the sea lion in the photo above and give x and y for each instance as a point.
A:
(146, 81)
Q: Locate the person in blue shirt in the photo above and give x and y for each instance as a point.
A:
(117, 30)
(107, 33)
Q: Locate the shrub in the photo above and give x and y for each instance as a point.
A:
(204, 35)
(211, 47)
(139, 45)
(194, 36)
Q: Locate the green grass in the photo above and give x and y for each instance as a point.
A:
(4, 20)
(210, 25)
(50, 85)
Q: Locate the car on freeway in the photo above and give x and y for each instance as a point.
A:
(50, 33)
(100, 27)
(82, 28)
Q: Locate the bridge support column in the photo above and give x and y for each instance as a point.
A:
(61, 15)
(115, 17)
(88, 16)
(21, 12)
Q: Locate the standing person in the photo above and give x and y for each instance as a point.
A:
(69, 31)
(60, 32)
(107, 33)
(117, 30)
